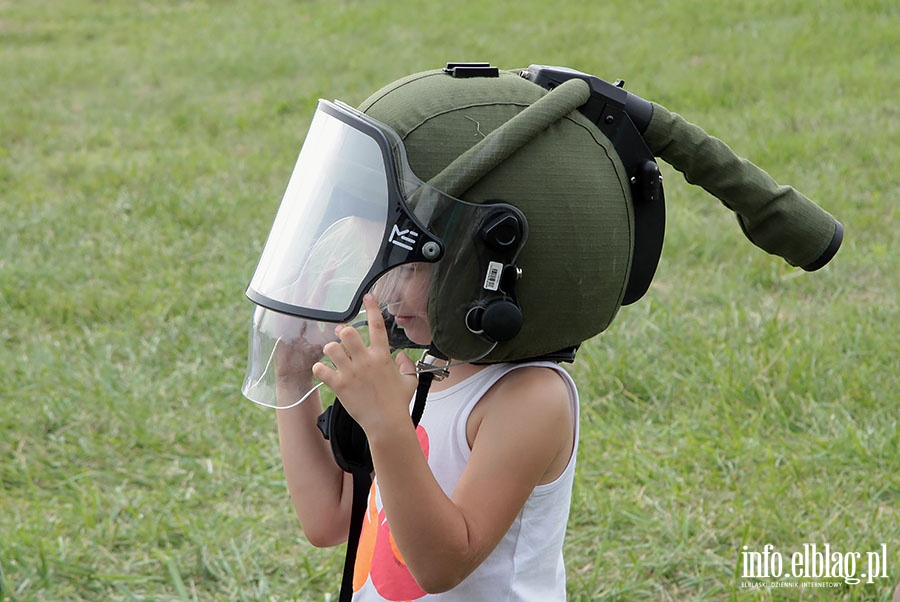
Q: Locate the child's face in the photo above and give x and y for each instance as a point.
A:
(404, 292)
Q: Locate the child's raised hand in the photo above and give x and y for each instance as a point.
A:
(295, 355)
(371, 385)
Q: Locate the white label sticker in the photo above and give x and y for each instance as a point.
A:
(492, 278)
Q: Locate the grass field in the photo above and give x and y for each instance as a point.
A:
(144, 147)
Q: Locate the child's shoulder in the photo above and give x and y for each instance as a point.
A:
(539, 389)
(531, 402)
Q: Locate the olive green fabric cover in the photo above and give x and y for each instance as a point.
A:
(569, 183)
(776, 218)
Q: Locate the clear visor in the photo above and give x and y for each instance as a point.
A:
(283, 348)
(352, 213)
(280, 358)
(329, 229)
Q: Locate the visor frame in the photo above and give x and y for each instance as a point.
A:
(405, 238)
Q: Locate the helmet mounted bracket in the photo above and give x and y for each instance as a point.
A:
(623, 117)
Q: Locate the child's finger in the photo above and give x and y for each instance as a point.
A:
(338, 355)
(324, 373)
(405, 365)
(377, 331)
(352, 341)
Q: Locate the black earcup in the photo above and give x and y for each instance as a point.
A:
(501, 320)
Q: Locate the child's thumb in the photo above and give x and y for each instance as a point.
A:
(405, 364)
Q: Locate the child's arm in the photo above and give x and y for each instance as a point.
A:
(521, 436)
(523, 439)
(316, 484)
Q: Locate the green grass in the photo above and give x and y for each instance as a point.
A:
(143, 151)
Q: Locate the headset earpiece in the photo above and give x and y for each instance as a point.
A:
(501, 320)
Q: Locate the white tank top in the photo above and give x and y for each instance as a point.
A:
(527, 564)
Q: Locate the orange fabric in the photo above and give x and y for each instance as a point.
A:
(378, 557)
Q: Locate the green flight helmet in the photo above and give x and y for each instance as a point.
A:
(566, 179)
(574, 155)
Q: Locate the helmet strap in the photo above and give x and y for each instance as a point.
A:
(350, 448)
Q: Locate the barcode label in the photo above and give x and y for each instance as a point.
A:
(492, 278)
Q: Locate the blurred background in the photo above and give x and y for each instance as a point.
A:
(144, 148)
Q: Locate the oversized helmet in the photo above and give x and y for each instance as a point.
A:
(533, 194)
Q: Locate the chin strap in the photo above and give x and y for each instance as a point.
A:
(350, 448)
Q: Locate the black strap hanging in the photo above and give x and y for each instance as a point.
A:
(362, 482)
(351, 452)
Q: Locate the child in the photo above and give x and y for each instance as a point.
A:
(493, 439)
(498, 226)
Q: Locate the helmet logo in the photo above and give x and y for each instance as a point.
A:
(404, 239)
